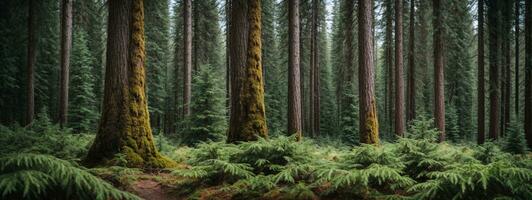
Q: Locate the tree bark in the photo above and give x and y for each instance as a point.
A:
(30, 66)
(528, 73)
(369, 127)
(411, 85)
(227, 56)
(399, 81)
(389, 57)
(480, 74)
(439, 98)
(294, 92)
(124, 125)
(66, 46)
(494, 25)
(187, 69)
(517, 23)
(248, 120)
(314, 72)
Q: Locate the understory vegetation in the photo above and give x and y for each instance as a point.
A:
(42, 161)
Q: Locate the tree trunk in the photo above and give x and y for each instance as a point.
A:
(480, 74)
(187, 69)
(399, 81)
(517, 23)
(369, 126)
(248, 120)
(528, 73)
(294, 92)
(314, 72)
(388, 54)
(494, 25)
(30, 67)
(66, 45)
(439, 98)
(228, 57)
(411, 85)
(125, 126)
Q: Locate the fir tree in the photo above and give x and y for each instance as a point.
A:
(83, 110)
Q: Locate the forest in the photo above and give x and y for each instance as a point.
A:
(265, 99)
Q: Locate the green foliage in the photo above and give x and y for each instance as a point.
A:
(32, 176)
(83, 112)
(44, 138)
(514, 141)
(208, 121)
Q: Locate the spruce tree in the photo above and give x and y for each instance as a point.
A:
(83, 111)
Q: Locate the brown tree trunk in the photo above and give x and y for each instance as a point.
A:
(480, 73)
(399, 81)
(227, 56)
(516, 97)
(494, 25)
(439, 98)
(124, 125)
(411, 85)
(369, 126)
(187, 69)
(389, 57)
(294, 92)
(528, 73)
(30, 67)
(66, 45)
(248, 120)
(314, 73)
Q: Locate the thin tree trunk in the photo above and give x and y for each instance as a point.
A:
(187, 69)
(248, 120)
(314, 73)
(517, 4)
(439, 98)
(399, 81)
(32, 56)
(389, 64)
(528, 73)
(411, 96)
(227, 56)
(294, 92)
(66, 45)
(125, 126)
(480, 73)
(494, 25)
(369, 126)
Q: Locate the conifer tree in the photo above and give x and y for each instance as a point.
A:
(83, 111)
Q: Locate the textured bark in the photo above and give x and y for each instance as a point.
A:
(439, 98)
(294, 92)
(314, 82)
(369, 127)
(507, 13)
(125, 125)
(227, 56)
(187, 69)
(517, 23)
(248, 120)
(30, 65)
(480, 74)
(389, 57)
(411, 84)
(66, 46)
(528, 73)
(399, 81)
(494, 23)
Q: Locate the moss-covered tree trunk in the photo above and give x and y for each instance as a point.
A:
(480, 75)
(125, 126)
(248, 120)
(369, 126)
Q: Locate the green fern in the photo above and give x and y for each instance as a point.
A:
(32, 176)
